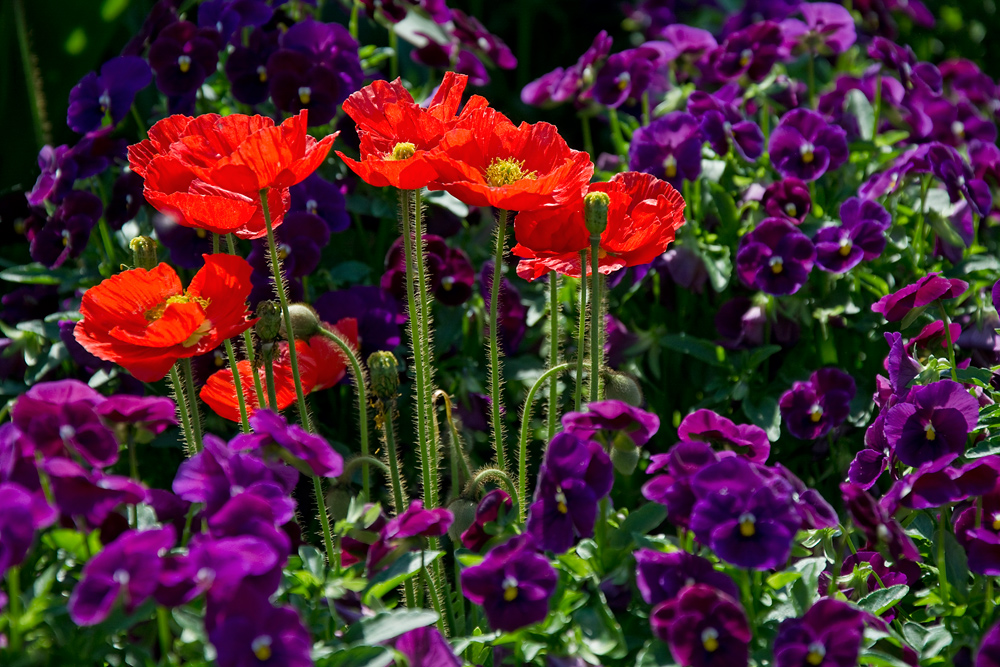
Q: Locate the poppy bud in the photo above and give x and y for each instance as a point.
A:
(620, 387)
(464, 511)
(338, 499)
(384, 371)
(269, 322)
(625, 460)
(143, 252)
(595, 212)
(305, 321)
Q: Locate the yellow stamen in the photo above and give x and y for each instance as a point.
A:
(507, 172)
(262, 73)
(402, 151)
(305, 94)
(930, 433)
(261, 647)
(747, 522)
(710, 639)
(184, 63)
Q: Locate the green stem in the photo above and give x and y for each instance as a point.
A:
(363, 460)
(279, 287)
(195, 413)
(14, 610)
(324, 520)
(139, 122)
(109, 246)
(522, 459)
(133, 467)
(182, 408)
(588, 141)
(497, 475)
(272, 397)
(918, 237)
(32, 82)
(163, 631)
(581, 341)
(352, 24)
(496, 381)
(942, 569)
(394, 58)
(432, 588)
(812, 80)
(596, 320)
(398, 498)
(361, 384)
(553, 415)
(988, 604)
(425, 387)
(947, 338)
(460, 602)
(238, 383)
(616, 134)
(459, 463)
(646, 116)
(248, 343)
(878, 106)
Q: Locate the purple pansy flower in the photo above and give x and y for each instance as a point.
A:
(745, 521)
(64, 235)
(470, 32)
(705, 425)
(320, 197)
(988, 654)
(271, 429)
(668, 148)
(150, 413)
(246, 67)
(260, 634)
(229, 16)
(661, 576)
(92, 496)
(742, 323)
(805, 146)
(449, 269)
(828, 29)
(625, 77)
(376, 311)
(427, 647)
(126, 199)
(673, 489)
(704, 627)
(860, 236)
(828, 635)
(21, 514)
(396, 537)
(315, 68)
(608, 421)
(512, 314)
(724, 125)
(775, 257)
(300, 240)
(128, 568)
(53, 181)
(813, 408)
(475, 536)
(896, 305)
(950, 168)
(937, 483)
(752, 51)
(183, 56)
(513, 584)
(935, 421)
(878, 527)
(111, 92)
(186, 245)
(561, 85)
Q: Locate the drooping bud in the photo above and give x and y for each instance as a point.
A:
(305, 321)
(625, 460)
(143, 252)
(595, 212)
(269, 322)
(464, 511)
(384, 371)
(620, 387)
(338, 499)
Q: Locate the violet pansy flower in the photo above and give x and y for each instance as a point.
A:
(704, 627)
(775, 257)
(110, 92)
(271, 429)
(898, 304)
(625, 77)
(427, 647)
(813, 408)
(828, 29)
(805, 146)
(260, 634)
(828, 634)
(935, 421)
(669, 148)
(705, 425)
(183, 56)
(475, 536)
(661, 576)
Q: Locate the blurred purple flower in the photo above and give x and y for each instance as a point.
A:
(258, 633)
(186, 245)
(561, 85)
(449, 269)
(752, 51)
(512, 314)
(788, 198)
(320, 197)
(111, 92)
(488, 510)
(65, 233)
(625, 77)
(876, 524)
(742, 323)
(669, 148)
(183, 56)
(935, 421)
(812, 409)
(246, 67)
(271, 429)
(300, 240)
(21, 514)
(661, 576)
(227, 17)
(150, 413)
(828, 634)
(91, 496)
(747, 440)
(828, 29)
(377, 313)
(427, 647)
(126, 199)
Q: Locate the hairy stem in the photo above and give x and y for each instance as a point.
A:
(496, 382)
(596, 320)
(193, 403)
(182, 410)
(581, 341)
(522, 459)
(425, 389)
(324, 520)
(553, 415)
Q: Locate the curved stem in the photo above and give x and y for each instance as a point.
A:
(193, 404)
(596, 320)
(361, 384)
(947, 337)
(324, 520)
(182, 409)
(425, 388)
(133, 468)
(496, 421)
(553, 415)
(279, 287)
(436, 601)
(499, 476)
(238, 383)
(363, 459)
(581, 341)
(522, 459)
(459, 463)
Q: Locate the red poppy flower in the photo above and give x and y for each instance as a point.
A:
(396, 133)
(145, 320)
(643, 216)
(487, 161)
(208, 171)
(321, 366)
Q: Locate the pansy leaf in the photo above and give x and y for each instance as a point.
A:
(877, 602)
(405, 567)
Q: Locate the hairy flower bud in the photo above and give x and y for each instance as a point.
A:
(384, 371)
(269, 322)
(595, 212)
(305, 321)
(625, 460)
(143, 252)
(620, 387)
(464, 511)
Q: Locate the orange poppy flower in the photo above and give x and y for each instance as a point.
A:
(145, 320)
(488, 161)
(396, 133)
(208, 171)
(643, 216)
(321, 366)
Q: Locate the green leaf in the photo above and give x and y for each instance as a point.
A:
(781, 579)
(654, 654)
(879, 659)
(405, 567)
(985, 448)
(389, 625)
(858, 106)
(764, 413)
(879, 601)
(31, 274)
(956, 566)
(703, 350)
(639, 522)
(359, 656)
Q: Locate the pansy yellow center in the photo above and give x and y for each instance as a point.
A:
(623, 80)
(65, 237)
(561, 501)
(816, 654)
(845, 247)
(745, 56)
(507, 172)
(104, 100)
(670, 166)
(777, 265)
(262, 73)
(747, 524)
(996, 521)
(261, 647)
(958, 129)
(509, 588)
(816, 413)
(402, 151)
(311, 206)
(184, 63)
(283, 251)
(808, 152)
(929, 432)
(710, 639)
(305, 94)
(448, 282)
(201, 233)
(790, 210)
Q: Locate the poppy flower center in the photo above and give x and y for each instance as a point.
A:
(816, 413)
(777, 265)
(104, 100)
(561, 501)
(157, 312)
(790, 210)
(808, 152)
(623, 80)
(184, 63)
(845, 247)
(710, 639)
(670, 166)
(305, 94)
(747, 524)
(262, 73)
(745, 56)
(261, 647)
(816, 653)
(507, 172)
(930, 433)
(402, 151)
(509, 588)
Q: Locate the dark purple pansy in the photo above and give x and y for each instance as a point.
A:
(271, 430)
(809, 504)
(513, 584)
(300, 241)
(183, 56)
(876, 524)
(53, 181)
(473, 35)
(775, 257)
(742, 323)
(724, 125)
(988, 654)
(397, 536)
(149, 413)
(427, 647)
(246, 67)
(896, 305)
(315, 67)
(937, 483)
(805, 146)
(625, 77)
(488, 511)
(377, 313)
(704, 627)
(554, 88)
(109, 93)
(608, 421)
(126, 199)
(828, 29)
(813, 408)
(745, 521)
(747, 440)
(449, 269)
(260, 634)
(512, 314)
(91, 496)
(661, 576)
(186, 245)
(673, 488)
(956, 174)
(21, 514)
(65, 233)
(320, 197)
(828, 635)
(752, 51)
(860, 236)
(229, 16)
(935, 420)
(668, 148)
(126, 569)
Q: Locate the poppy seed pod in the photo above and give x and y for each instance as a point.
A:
(595, 212)
(618, 386)
(305, 322)
(143, 252)
(269, 321)
(384, 371)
